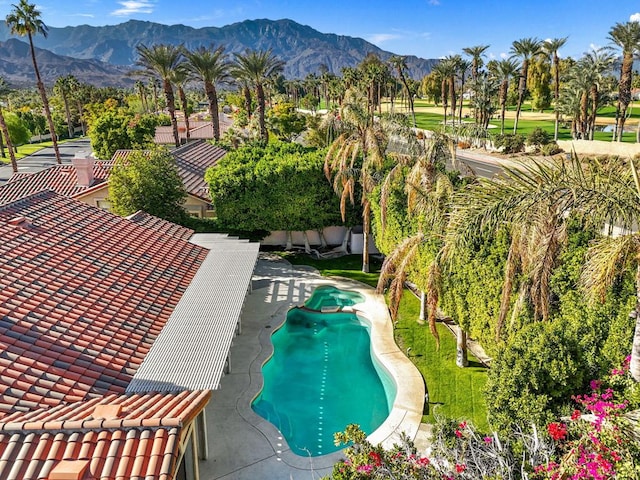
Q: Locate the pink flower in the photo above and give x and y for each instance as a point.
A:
(576, 414)
(458, 433)
(365, 469)
(460, 468)
(488, 440)
(595, 384)
(462, 425)
(423, 461)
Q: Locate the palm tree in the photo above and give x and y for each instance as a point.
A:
(463, 68)
(551, 47)
(525, 49)
(627, 37)
(4, 89)
(595, 66)
(24, 20)
(531, 201)
(255, 67)
(476, 53)
(160, 62)
(210, 66)
(445, 71)
(141, 91)
(428, 191)
(506, 69)
(353, 159)
(179, 78)
(610, 257)
(63, 87)
(400, 64)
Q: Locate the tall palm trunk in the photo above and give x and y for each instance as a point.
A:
(81, 114)
(584, 108)
(212, 97)
(366, 227)
(624, 98)
(522, 88)
(5, 134)
(504, 89)
(247, 100)
(409, 96)
(171, 106)
(594, 110)
(264, 133)
(462, 359)
(67, 112)
(185, 109)
(45, 102)
(452, 93)
(445, 98)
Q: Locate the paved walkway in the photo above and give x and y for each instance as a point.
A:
(244, 446)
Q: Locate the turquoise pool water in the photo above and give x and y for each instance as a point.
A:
(321, 377)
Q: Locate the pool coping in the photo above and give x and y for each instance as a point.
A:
(406, 413)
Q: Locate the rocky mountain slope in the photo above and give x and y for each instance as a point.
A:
(303, 48)
(17, 69)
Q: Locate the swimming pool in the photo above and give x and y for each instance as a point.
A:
(322, 377)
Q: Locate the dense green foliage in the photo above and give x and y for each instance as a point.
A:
(509, 142)
(17, 129)
(277, 187)
(115, 130)
(148, 181)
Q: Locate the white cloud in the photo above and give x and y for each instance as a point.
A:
(87, 15)
(635, 17)
(435, 3)
(504, 55)
(133, 6)
(377, 38)
(594, 47)
(491, 56)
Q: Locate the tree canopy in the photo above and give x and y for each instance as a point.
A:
(148, 181)
(277, 187)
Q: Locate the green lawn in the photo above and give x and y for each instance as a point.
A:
(454, 392)
(433, 121)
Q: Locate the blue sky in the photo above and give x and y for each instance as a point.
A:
(426, 28)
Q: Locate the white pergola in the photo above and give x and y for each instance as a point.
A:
(192, 350)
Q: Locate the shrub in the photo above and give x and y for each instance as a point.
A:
(538, 137)
(509, 142)
(550, 149)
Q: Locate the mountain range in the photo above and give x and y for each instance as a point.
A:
(110, 51)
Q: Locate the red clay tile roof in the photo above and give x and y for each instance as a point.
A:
(83, 295)
(198, 130)
(58, 178)
(149, 221)
(192, 160)
(142, 443)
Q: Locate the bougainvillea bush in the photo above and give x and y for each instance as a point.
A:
(599, 440)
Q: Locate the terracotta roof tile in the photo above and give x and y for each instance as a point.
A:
(160, 225)
(61, 179)
(32, 444)
(85, 293)
(198, 130)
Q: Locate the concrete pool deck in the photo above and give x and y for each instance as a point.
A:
(243, 445)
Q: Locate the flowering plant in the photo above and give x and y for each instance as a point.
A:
(597, 441)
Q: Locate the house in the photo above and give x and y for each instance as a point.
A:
(87, 389)
(87, 180)
(192, 161)
(198, 130)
